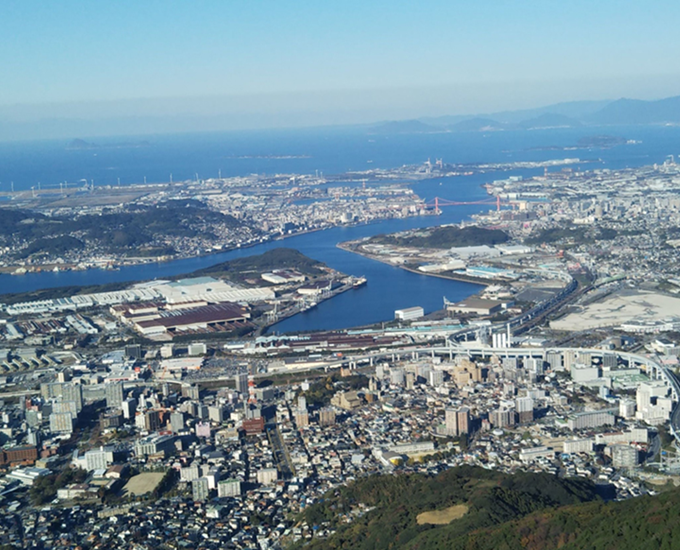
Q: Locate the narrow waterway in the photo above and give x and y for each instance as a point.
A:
(388, 287)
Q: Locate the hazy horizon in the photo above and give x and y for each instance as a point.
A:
(79, 70)
(148, 116)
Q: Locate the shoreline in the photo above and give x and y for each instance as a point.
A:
(112, 266)
(265, 329)
(458, 278)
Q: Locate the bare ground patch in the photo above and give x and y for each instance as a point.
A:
(143, 483)
(442, 517)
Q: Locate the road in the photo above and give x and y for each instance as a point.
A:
(654, 448)
(283, 461)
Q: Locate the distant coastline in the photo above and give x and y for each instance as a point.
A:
(81, 144)
(267, 157)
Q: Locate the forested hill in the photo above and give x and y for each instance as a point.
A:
(477, 509)
(482, 498)
(277, 258)
(643, 523)
(131, 231)
(444, 237)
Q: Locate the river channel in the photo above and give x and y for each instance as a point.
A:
(388, 288)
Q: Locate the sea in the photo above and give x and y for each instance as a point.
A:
(130, 160)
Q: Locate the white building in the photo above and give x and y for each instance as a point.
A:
(229, 488)
(189, 473)
(635, 435)
(27, 475)
(436, 378)
(129, 407)
(584, 374)
(267, 476)
(413, 448)
(409, 313)
(98, 459)
(573, 446)
(536, 453)
(397, 377)
(627, 408)
(580, 421)
(653, 404)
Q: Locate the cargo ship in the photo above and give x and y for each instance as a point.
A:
(359, 281)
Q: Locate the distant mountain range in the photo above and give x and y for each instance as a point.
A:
(126, 118)
(560, 115)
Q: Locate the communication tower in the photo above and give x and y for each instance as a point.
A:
(252, 399)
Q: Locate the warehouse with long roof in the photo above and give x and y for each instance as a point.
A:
(223, 316)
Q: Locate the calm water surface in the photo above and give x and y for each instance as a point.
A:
(329, 151)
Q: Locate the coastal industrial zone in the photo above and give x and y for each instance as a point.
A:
(84, 226)
(163, 414)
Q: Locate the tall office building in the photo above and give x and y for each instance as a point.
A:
(326, 417)
(554, 359)
(502, 418)
(61, 422)
(451, 420)
(177, 421)
(200, 488)
(129, 407)
(463, 419)
(241, 383)
(114, 395)
(534, 365)
(302, 418)
(73, 392)
(436, 378)
(149, 421)
(216, 413)
(525, 409)
(457, 421)
(397, 377)
(626, 408)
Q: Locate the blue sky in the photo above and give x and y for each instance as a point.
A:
(407, 58)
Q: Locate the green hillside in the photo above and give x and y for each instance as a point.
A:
(444, 237)
(645, 523)
(492, 498)
(131, 231)
(504, 512)
(252, 266)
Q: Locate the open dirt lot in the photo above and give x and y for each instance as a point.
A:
(143, 483)
(619, 308)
